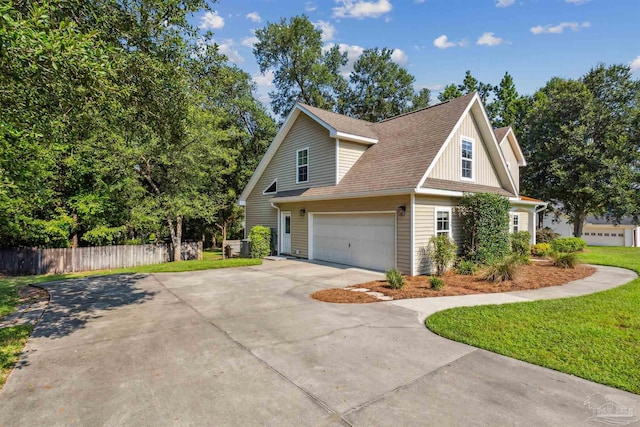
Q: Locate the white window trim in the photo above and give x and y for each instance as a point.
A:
(473, 158)
(435, 221)
(298, 165)
(275, 181)
(512, 224)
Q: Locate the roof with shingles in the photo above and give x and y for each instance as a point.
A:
(501, 132)
(343, 123)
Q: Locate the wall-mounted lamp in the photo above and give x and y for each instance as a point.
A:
(402, 210)
(303, 211)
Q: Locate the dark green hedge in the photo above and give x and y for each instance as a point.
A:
(260, 237)
(568, 244)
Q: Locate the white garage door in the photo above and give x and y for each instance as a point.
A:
(603, 237)
(362, 240)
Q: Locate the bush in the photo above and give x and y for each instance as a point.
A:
(541, 249)
(442, 252)
(436, 283)
(564, 260)
(546, 235)
(395, 279)
(467, 268)
(568, 244)
(260, 237)
(485, 224)
(500, 271)
(520, 243)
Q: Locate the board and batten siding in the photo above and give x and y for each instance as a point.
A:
(300, 224)
(305, 132)
(449, 165)
(425, 226)
(512, 162)
(348, 155)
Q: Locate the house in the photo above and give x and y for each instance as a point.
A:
(344, 190)
(597, 231)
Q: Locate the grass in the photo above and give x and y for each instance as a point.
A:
(596, 337)
(12, 341)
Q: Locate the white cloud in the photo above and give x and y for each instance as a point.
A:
(211, 21)
(505, 3)
(399, 57)
(635, 64)
(489, 39)
(328, 30)
(558, 29)
(254, 17)
(310, 7)
(227, 48)
(265, 79)
(577, 1)
(443, 42)
(361, 9)
(249, 41)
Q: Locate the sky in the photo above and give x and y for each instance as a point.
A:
(438, 40)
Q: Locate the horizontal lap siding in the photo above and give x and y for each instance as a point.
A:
(305, 132)
(449, 166)
(349, 153)
(425, 227)
(300, 224)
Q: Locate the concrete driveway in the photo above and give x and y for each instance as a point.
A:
(247, 346)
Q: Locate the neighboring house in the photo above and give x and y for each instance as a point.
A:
(344, 190)
(597, 231)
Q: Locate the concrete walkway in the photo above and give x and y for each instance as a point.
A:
(248, 346)
(604, 278)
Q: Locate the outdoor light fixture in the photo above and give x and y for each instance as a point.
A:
(302, 212)
(402, 210)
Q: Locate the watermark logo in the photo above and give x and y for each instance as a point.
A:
(608, 412)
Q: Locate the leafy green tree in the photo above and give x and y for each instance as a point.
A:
(450, 91)
(422, 99)
(504, 108)
(471, 84)
(302, 71)
(582, 147)
(378, 87)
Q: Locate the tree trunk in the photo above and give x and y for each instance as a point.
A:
(578, 224)
(223, 231)
(74, 236)
(177, 245)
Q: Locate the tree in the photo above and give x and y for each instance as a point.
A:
(504, 108)
(582, 147)
(450, 91)
(378, 87)
(293, 51)
(422, 99)
(471, 84)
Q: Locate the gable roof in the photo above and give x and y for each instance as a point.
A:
(402, 149)
(507, 132)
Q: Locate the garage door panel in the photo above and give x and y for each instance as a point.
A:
(364, 240)
(603, 237)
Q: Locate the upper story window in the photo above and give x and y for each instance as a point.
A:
(443, 222)
(302, 165)
(272, 188)
(467, 160)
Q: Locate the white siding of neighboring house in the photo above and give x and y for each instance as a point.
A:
(348, 154)
(449, 165)
(305, 132)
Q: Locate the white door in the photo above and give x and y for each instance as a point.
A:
(286, 233)
(362, 240)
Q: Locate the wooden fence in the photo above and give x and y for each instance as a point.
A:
(25, 261)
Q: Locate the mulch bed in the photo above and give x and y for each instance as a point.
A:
(534, 276)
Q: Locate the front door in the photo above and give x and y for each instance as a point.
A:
(286, 233)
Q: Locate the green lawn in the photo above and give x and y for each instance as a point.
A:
(596, 337)
(12, 340)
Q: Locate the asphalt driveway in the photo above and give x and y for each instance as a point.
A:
(247, 346)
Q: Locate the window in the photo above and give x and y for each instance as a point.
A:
(272, 188)
(302, 165)
(515, 223)
(467, 160)
(620, 235)
(443, 222)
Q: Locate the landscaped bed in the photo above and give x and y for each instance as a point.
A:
(533, 276)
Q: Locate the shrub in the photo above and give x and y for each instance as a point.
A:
(541, 249)
(485, 224)
(546, 235)
(520, 242)
(467, 268)
(442, 252)
(568, 244)
(500, 271)
(395, 279)
(260, 237)
(436, 283)
(564, 260)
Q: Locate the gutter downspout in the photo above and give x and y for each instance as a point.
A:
(277, 228)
